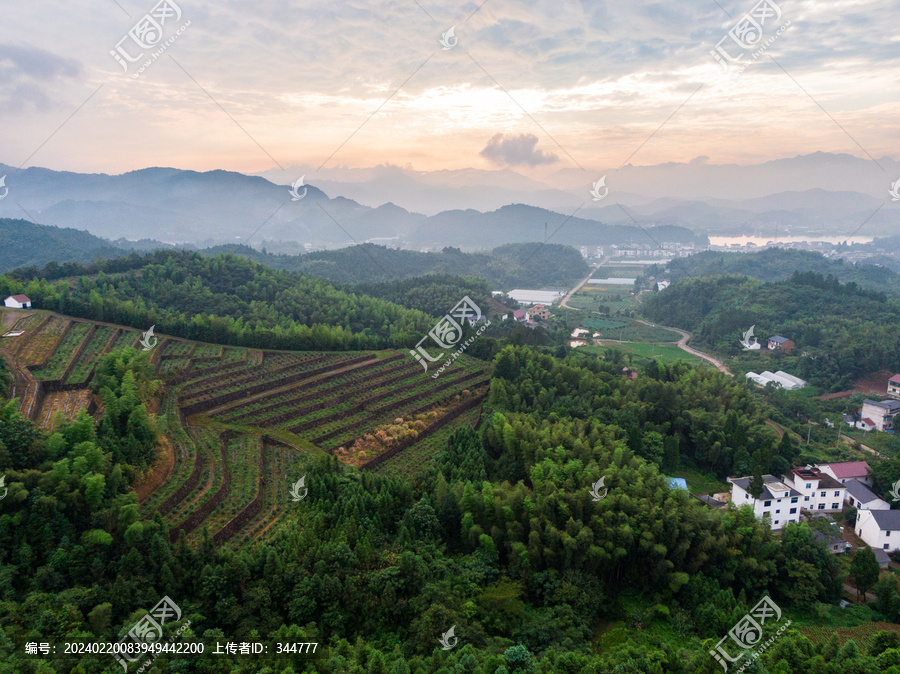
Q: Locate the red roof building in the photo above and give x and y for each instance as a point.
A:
(893, 386)
(17, 302)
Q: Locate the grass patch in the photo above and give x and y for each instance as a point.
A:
(699, 482)
(661, 352)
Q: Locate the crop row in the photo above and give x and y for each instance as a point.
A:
(337, 380)
(252, 509)
(219, 400)
(62, 356)
(42, 343)
(237, 377)
(207, 351)
(395, 408)
(371, 399)
(95, 347)
(362, 378)
(176, 348)
(435, 426)
(243, 455)
(67, 403)
(27, 323)
(201, 513)
(174, 365)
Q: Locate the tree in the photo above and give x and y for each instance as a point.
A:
(864, 570)
(756, 482)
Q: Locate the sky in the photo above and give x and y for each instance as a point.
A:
(532, 85)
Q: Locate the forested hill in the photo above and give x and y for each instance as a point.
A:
(24, 244)
(778, 264)
(228, 299)
(841, 331)
(516, 264)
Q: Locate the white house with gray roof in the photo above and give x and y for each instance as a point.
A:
(861, 497)
(880, 529)
(778, 502)
(880, 412)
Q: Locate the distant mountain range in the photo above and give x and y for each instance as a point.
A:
(217, 207)
(817, 194)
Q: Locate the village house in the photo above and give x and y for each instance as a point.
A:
(893, 387)
(539, 311)
(846, 470)
(17, 302)
(520, 315)
(859, 496)
(881, 413)
(779, 503)
(820, 491)
(880, 529)
(779, 343)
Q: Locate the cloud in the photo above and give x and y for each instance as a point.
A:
(24, 71)
(516, 151)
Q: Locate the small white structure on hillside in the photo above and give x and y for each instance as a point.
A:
(17, 302)
(781, 379)
(861, 497)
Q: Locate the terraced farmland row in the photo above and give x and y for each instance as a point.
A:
(38, 346)
(364, 376)
(101, 341)
(65, 403)
(62, 356)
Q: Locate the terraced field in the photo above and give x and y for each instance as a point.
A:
(240, 424)
(62, 356)
(65, 403)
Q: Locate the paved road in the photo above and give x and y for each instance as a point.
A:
(565, 300)
(682, 344)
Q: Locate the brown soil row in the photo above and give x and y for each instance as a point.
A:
(186, 488)
(318, 393)
(375, 413)
(161, 472)
(297, 410)
(250, 511)
(428, 430)
(226, 398)
(363, 404)
(199, 387)
(196, 518)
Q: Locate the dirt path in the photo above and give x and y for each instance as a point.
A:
(778, 429)
(682, 344)
(865, 448)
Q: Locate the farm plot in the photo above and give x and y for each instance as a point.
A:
(281, 466)
(91, 353)
(240, 385)
(404, 401)
(62, 356)
(174, 365)
(207, 351)
(236, 373)
(26, 323)
(62, 405)
(38, 349)
(204, 478)
(242, 455)
(416, 458)
(366, 376)
(186, 450)
(177, 348)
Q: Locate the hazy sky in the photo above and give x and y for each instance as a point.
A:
(587, 83)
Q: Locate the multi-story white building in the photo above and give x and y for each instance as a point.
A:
(880, 529)
(777, 502)
(819, 490)
(881, 412)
